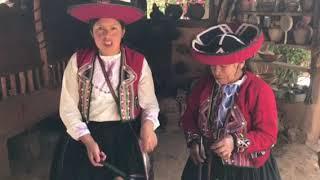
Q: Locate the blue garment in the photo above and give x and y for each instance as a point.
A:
(227, 102)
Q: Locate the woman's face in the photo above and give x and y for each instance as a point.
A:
(107, 34)
(226, 74)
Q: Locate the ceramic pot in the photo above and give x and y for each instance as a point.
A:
(195, 11)
(307, 5)
(292, 6)
(267, 6)
(297, 97)
(302, 34)
(173, 11)
(248, 5)
(275, 34)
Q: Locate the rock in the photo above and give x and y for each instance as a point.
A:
(292, 135)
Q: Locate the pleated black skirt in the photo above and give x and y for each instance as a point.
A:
(116, 139)
(269, 171)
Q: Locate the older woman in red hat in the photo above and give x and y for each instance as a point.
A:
(108, 103)
(231, 119)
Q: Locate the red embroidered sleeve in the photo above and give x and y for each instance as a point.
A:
(189, 118)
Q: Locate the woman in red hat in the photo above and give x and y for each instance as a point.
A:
(231, 119)
(106, 92)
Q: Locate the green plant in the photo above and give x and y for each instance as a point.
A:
(295, 56)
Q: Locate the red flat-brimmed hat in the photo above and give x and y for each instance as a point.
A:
(226, 44)
(89, 11)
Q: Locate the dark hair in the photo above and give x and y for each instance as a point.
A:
(247, 67)
(93, 21)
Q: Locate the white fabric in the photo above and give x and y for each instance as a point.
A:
(229, 91)
(103, 106)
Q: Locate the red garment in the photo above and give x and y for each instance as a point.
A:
(257, 103)
(128, 90)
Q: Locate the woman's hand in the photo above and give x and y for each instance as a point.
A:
(95, 155)
(224, 147)
(148, 137)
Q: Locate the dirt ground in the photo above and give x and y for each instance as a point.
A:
(296, 161)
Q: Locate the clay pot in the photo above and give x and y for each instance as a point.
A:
(173, 11)
(307, 5)
(195, 11)
(306, 19)
(296, 97)
(302, 34)
(269, 56)
(267, 6)
(292, 6)
(247, 5)
(275, 34)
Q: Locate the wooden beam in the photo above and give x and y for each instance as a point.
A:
(4, 89)
(23, 82)
(41, 40)
(223, 11)
(4, 160)
(282, 65)
(59, 73)
(37, 78)
(63, 66)
(259, 13)
(30, 81)
(213, 11)
(53, 75)
(13, 85)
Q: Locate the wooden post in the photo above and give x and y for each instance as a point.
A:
(59, 73)
(312, 122)
(63, 66)
(37, 78)
(223, 10)
(30, 81)
(4, 160)
(53, 75)
(4, 89)
(41, 41)
(13, 85)
(312, 115)
(213, 11)
(23, 83)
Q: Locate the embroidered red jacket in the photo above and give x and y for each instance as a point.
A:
(257, 103)
(128, 90)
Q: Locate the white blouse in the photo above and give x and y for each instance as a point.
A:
(102, 105)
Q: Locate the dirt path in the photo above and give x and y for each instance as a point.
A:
(295, 161)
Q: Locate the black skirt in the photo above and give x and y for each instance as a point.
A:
(116, 139)
(269, 171)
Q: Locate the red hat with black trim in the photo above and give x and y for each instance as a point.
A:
(226, 44)
(118, 10)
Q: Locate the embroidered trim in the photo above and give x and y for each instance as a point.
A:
(85, 88)
(127, 96)
(129, 109)
(241, 143)
(257, 154)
